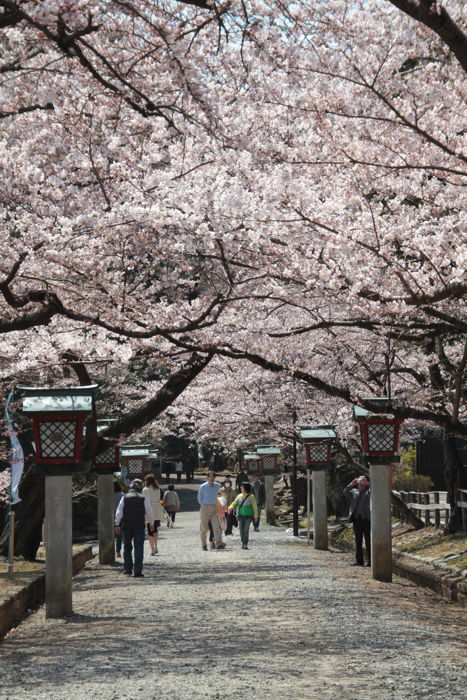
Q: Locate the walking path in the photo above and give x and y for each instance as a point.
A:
(277, 622)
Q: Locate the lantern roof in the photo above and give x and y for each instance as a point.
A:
(135, 450)
(58, 400)
(251, 456)
(318, 432)
(360, 413)
(105, 423)
(267, 450)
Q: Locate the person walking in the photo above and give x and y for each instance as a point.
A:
(259, 493)
(152, 492)
(171, 503)
(207, 499)
(247, 511)
(133, 512)
(118, 537)
(179, 470)
(241, 478)
(358, 493)
(221, 510)
(229, 494)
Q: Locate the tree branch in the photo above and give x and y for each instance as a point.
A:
(433, 15)
(149, 411)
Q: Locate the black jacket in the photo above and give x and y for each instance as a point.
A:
(134, 514)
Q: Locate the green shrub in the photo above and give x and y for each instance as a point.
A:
(405, 478)
(413, 482)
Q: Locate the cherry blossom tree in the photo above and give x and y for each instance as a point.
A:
(295, 204)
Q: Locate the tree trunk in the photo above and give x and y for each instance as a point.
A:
(30, 511)
(29, 517)
(453, 473)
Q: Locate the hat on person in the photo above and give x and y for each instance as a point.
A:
(136, 485)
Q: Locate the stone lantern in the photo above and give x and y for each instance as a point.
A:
(269, 456)
(319, 442)
(136, 460)
(58, 418)
(380, 438)
(379, 433)
(106, 462)
(252, 463)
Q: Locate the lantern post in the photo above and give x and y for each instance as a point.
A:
(155, 461)
(295, 518)
(105, 464)
(318, 442)
(269, 456)
(58, 417)
(252, 465)
(252, 462)
(136, 459)
(380, 438)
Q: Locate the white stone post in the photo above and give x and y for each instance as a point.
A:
(308, 505)
(269, 497)
(320, 510)
(59, 559)
(105, 518)
(381, 523)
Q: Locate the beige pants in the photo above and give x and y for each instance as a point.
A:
(208, 513)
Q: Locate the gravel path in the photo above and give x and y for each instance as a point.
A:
(279, 621)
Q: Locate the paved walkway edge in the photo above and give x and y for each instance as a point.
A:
(445, 582)
(16, 608)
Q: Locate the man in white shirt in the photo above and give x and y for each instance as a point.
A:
(207, 499)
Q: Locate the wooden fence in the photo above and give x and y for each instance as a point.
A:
(431, 506)
(462, 503)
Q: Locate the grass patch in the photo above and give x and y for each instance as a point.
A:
(344, 539)
(433, 545)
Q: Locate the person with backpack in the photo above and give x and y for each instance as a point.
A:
(133, 512)
(171, 503)
(247, 511)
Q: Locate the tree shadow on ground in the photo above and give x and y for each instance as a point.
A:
(202, 625)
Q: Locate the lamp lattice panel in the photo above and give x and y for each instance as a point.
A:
(106, 457)
(135, 466)
(318, 452)
(58, 439)
(269, 464)
(381, 437)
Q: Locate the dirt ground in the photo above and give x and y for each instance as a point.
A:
(277, 622)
